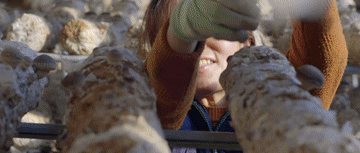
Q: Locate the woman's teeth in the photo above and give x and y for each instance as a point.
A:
(205, 62)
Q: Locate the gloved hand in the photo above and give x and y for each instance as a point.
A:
(197, 20)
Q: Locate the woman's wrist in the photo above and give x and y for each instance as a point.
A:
(179, 45)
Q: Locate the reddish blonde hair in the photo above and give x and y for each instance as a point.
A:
(156, 14)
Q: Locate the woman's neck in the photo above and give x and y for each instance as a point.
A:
(214, 100)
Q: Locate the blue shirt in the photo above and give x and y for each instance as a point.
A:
(198, 119)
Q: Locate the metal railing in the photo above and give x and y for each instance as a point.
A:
(188, 139)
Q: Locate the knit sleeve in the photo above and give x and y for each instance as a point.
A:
(322, 44)
(172, 75)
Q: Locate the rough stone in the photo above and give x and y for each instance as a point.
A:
(31, 30)
(34, 116)
(5, 20)
(39, 5)
(64, 14)
(118, 106)
(98, 6)
(80, 37)
(271, 113)
(18, 96)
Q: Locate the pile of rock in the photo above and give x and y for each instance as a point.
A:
(112, 98)
(22, 83)
(275, 30)
(346, 105)
(66, 27)
(72, 26)
(271, 113)
(100, 30)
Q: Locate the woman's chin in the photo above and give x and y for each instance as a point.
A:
(204, 91)
(206, 68)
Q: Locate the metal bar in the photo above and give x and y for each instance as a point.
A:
(39, 131)
(188, 139)
(202, 139)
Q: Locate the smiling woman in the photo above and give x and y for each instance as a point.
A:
(187, 57)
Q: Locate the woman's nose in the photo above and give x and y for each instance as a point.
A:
(211, 43)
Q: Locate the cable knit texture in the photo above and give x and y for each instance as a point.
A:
(173, 75)
(215, 114)
(322, 44)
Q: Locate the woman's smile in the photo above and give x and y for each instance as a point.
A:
(205, 64)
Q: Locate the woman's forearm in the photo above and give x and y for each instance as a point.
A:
(172, 75)
(322, 44)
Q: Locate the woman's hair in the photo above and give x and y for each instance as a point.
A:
(156, 14)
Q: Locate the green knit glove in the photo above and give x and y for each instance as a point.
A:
(197, 20)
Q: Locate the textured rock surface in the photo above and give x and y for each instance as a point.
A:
(31, 30)
(18, 94)
(34, 116)
(80, 37)
(121, 15)
(39, 5)
(350, 21)
(270, 113)
(115, 105)
(273, 31)
(98, 6)
(5, 19)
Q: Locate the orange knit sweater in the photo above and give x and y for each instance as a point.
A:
(172, 75)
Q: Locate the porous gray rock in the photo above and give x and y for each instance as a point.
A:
(11, 56)
(31, 30)
(43, 64)
(351, 26)
(346, 6)
(271, 113)
(39, 5)
(57, 97)
(79, 5)
(132, 37)
(80, 37)
(129, 8)
(117, 107)
(91, 16)
(5, 19)
(354, 99)
(18, 96)
(34, 116)
(98, 6)
(310, 76)
(64, 14)
(350, 20)
(23, 48)
(274, 29)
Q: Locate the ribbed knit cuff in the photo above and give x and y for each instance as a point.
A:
(216, 113)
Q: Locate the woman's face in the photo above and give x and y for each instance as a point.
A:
(213, 63)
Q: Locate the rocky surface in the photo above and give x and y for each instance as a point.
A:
(112, 98)
(110, 21)
(271, 113)
(29, 29)
(118, 24)
(66, 25)
(21, 90)
(276, 29)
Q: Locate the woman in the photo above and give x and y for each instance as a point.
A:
(192, 39)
